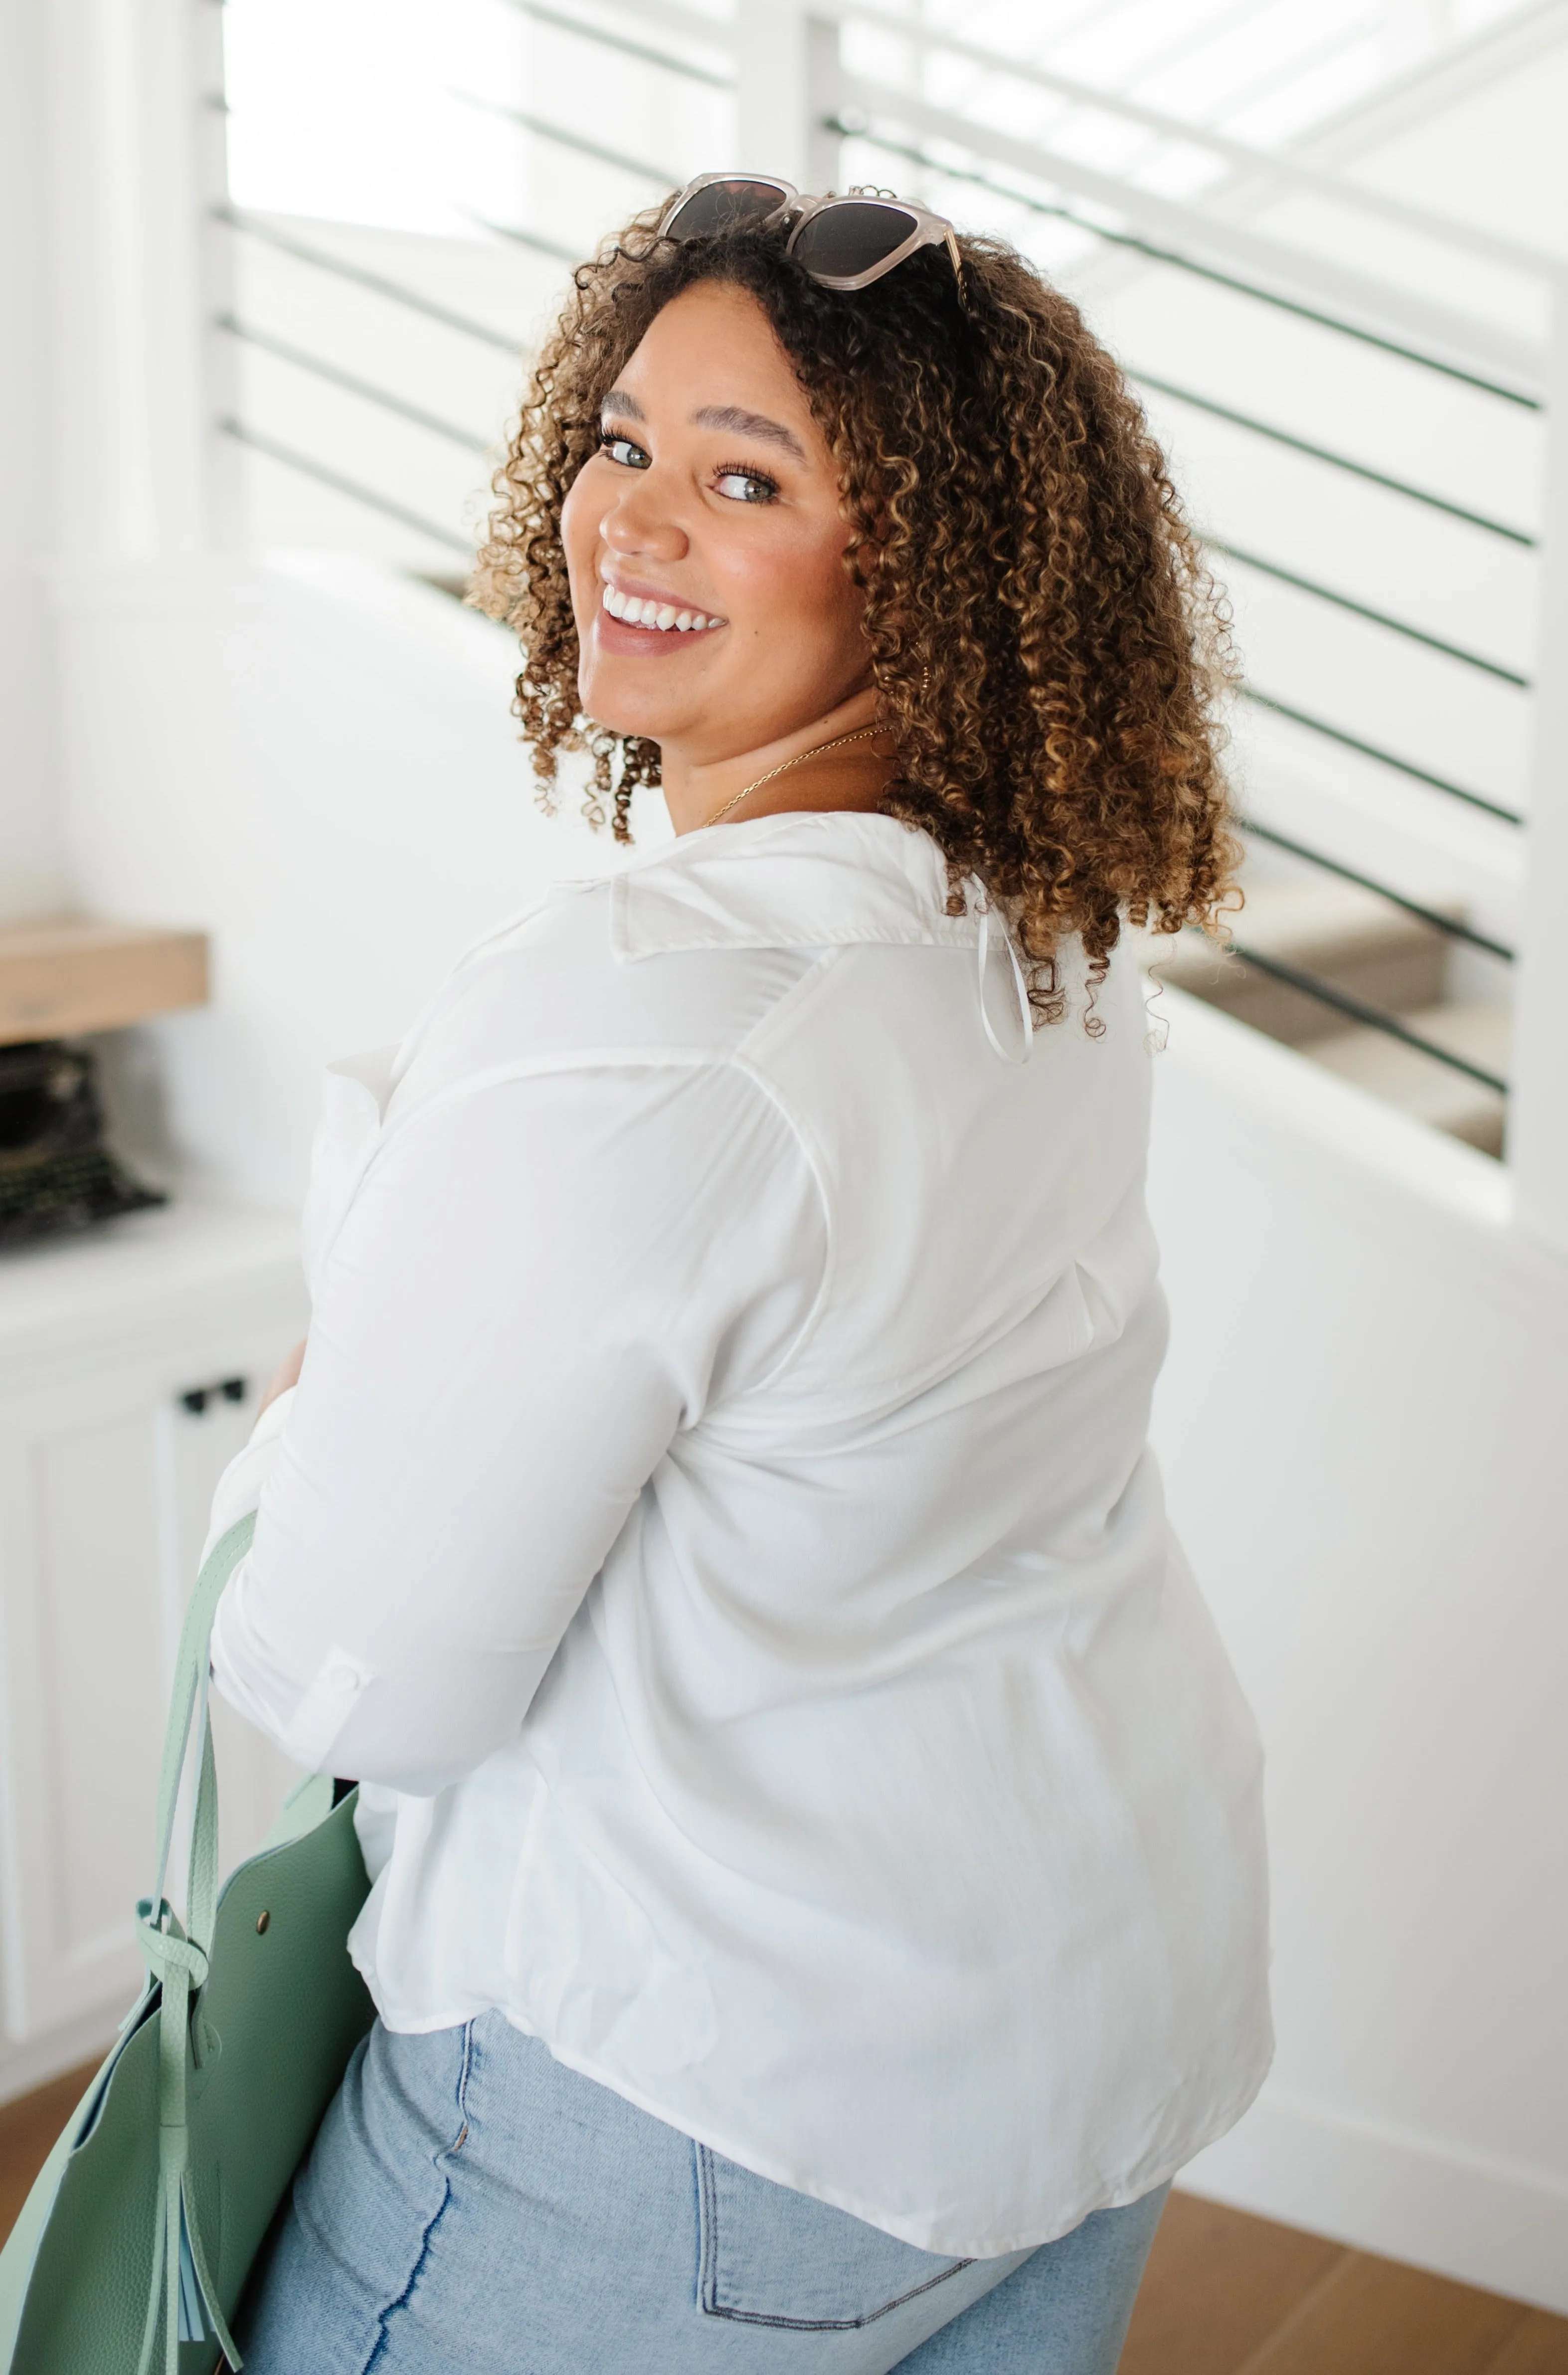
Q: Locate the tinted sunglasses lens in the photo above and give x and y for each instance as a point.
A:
(853, 238)
(724, 206)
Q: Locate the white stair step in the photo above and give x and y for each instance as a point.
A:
(1417, 1084)
(1348, 937)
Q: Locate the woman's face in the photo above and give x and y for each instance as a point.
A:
(712, 501)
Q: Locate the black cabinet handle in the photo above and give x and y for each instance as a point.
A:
(196, 1398)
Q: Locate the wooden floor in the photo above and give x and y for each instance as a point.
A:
(28, 2129)
(1225, 2294)
(1229, 2295)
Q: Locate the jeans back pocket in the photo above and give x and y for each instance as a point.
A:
(770, 2256)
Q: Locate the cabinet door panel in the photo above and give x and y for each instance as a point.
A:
(101, 1680)
(82, 1566)
(105, 1479)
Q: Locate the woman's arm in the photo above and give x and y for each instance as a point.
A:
(287, 1374)
(538, 1284)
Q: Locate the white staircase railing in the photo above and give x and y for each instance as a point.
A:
(1404, 737)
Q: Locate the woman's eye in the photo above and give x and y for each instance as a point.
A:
(740, 486)
(622, 450)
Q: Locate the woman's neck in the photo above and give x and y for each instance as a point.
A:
(853, 775)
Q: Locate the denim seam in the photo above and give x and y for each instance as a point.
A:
(383, 2337)
(463, 2076)
(709, 2277)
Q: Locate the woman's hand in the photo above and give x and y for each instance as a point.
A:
(287, 1374)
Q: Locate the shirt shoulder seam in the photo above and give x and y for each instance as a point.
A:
(736, 1061)
(815, 1164)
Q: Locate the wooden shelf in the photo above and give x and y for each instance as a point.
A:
(57, 979)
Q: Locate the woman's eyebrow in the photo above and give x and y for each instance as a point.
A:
(749, 424)
(733, 417)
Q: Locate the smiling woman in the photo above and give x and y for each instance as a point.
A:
(816, 1893)
(714, 496)
(932, 502)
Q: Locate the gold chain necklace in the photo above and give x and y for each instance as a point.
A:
(861, 734)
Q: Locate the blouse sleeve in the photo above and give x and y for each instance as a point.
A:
(538, 1285)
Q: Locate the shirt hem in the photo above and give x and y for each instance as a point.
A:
(921, 2234)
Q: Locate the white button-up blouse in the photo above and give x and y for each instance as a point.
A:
(715, 1524)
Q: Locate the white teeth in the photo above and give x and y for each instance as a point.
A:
(638, 612)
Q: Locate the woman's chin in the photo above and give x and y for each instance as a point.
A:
(650, 711)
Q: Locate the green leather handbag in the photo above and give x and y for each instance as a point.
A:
(135, 2245)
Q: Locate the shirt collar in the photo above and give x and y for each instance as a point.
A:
(804, 879)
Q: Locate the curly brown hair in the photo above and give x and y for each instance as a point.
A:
(1048, 648)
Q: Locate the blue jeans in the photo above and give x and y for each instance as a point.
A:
(471, 2207)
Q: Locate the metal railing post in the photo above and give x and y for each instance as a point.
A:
(770, 88)
(1537, 1136)
(219, 363)
(824, 144)
(786, 85)
(126, 312)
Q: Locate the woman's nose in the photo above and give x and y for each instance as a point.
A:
(639, 523)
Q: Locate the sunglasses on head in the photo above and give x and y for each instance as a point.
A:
(842, 242)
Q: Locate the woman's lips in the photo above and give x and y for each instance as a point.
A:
(646, 642)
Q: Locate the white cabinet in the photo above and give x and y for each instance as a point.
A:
(107, 1465)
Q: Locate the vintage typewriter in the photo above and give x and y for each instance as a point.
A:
(56, 1174)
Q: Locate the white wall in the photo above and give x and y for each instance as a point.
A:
(1360, 1424)
(31, 863)
(317, 763)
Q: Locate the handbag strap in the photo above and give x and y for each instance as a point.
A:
(187, 1700)
(177, 1959)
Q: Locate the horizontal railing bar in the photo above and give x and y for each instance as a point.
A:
(321, 369)
(292, 459)
(1377, 1018)
(1208, 231)
(686, 24)
(532, 239)
(1383, 301)
(394, 290)
(619, 41)
(1432, 915)
(1384, 758)
(576, 141)
(1337, 461)
(1283, 172)
(1158, 255)
(1364, 610)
